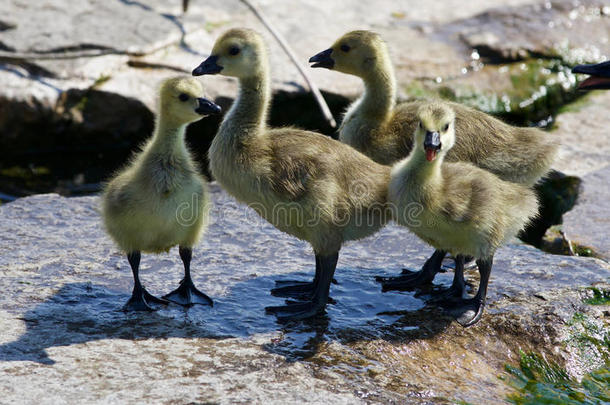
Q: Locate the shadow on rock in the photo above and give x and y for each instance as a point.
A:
(83, 312)
(361, 312)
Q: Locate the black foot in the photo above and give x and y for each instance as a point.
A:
(187, 295)
(139, 301)
(466, 312)
(449, 296)
(296, 311)
(406, 271)
(405, 282)
(295, 289)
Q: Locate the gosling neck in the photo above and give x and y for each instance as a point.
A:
(248, 115)
(168, 136)
(379, 96)
(424, 172)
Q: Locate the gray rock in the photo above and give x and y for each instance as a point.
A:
(582, 133)
(65, 339)
(576, 31)
(585, 152)
(588, 223)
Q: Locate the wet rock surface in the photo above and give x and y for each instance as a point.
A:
(561, 28)
(585, 152)
(588, 222)
(65, 337)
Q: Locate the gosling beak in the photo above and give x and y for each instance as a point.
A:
(206, 107)
(600, 76)
(432, 144)
(208, 67)
(323, 59)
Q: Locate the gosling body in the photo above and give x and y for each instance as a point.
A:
(302, 182)
(375, 125)
(159, 200)
(464, 210)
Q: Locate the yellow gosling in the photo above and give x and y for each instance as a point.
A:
(378, 127)
(159, 200)
(461, 208)
(304, 183)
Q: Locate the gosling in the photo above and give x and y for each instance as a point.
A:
(302, 182)
(382, 130)
(159, 200)
(464, 209)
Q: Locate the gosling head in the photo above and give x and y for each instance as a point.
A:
(600, 76)
(238, 53)
(435, 132)
(181, 99)
(355, 53)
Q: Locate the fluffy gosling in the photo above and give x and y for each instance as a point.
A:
(464, 210)
(382, 130)
(300, 181)
(159, 200)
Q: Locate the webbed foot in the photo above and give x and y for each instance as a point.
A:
(405, 282)
(412, 279)
(294, 289)
(188, 295)
(296, 311)
(449, 295)
(140, 300)
(466, 312)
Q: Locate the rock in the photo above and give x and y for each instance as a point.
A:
(582, 132)
(576, 31)
(64, 335)
(588, 222)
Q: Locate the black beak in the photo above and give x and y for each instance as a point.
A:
(600, 76)
(323, 59)
(208, 67)
(206, 107)
(432, 140)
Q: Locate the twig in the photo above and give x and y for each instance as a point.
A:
(90, 53)
(151, 65)
(312, 86)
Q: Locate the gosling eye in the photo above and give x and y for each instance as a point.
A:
(446, 127)
(345, 48)
(183, 97)
(421, 126)
(233, 50)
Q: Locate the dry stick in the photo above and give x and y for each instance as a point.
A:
(312, 86)
(16, 56)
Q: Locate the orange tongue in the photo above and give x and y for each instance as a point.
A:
(430, 154)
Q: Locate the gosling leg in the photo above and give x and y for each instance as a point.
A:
(469, 311)
(297, 311)
(416, 278)
(187, 294)
(454, 293)
(139, 296)
(301, 290)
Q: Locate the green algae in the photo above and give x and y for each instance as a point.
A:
(529, 92)
(600, 296)
(538, 381)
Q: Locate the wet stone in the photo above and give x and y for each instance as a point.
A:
(576, 31)
(65, 336)
(582, 132)
(588, 223)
